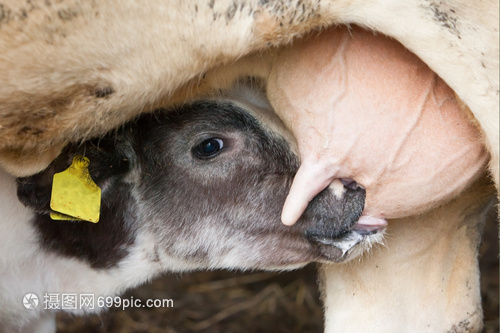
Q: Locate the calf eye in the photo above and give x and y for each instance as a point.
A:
(209, 148)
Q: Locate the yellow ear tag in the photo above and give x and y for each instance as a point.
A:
(75, 196)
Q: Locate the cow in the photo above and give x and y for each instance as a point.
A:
(197, 187)
(75, 70)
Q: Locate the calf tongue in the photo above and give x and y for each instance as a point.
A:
(369, 223)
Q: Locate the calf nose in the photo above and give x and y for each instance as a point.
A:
(334, 211)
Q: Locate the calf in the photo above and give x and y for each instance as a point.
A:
(200, 186)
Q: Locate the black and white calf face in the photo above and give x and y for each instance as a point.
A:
(204, 184)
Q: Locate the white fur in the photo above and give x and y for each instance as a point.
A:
(25, 267)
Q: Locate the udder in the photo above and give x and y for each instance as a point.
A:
(363, 107)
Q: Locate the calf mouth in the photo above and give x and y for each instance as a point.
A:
(352, 243)
(346, 233)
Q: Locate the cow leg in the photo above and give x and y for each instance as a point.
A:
(426, 279)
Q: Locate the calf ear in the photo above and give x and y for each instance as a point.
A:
(109, 162)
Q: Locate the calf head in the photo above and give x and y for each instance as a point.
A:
(206, 182)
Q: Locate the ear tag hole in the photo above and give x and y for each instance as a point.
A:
(75, 196)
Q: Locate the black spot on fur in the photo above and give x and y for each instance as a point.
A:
(27, 130)
(102, 244)
(5, 14)
(103, 92)
(68, 14)
(231, 11)
(446, 17)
